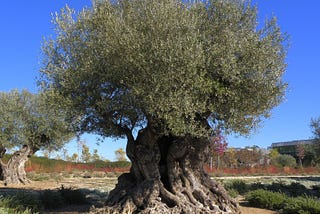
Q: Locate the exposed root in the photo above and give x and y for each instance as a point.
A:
(167, 176)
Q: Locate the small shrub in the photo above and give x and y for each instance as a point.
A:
(266, 199)
(52, 199)
(233, 193)
(72, 196)
(257, 185)
(238, 185)
(302, 205)
(279, 201)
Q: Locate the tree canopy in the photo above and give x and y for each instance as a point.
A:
(178, 66)
(28, 119)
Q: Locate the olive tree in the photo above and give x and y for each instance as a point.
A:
(165, 74)
(28, 123)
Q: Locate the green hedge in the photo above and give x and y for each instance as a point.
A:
(266, 199)
(280, 201)
(51, 165)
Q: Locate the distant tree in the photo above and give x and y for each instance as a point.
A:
(249, 156)
(120, 155)
(168, 71)
(315, 147)
(64, 154)
(230, 158)
(219, 146)
(74, 157)
(257, 156)
(301, 153)
(273, 154)
(284, 160)
(46, 153)
(95, 156)
(85, 154)
(315, 128)
(29, 122)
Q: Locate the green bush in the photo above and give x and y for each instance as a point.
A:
(237, 185)
(302, 205)
(72, 196)
(62, 196)
(233, 193)
(280, 201)
(284, 160)
(266, 199)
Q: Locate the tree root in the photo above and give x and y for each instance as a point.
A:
(167, 176)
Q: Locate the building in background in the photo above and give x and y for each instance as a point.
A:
(289, 147)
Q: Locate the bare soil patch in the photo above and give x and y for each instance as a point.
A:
(252, 210)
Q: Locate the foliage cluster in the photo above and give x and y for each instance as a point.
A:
(237, 158)
(42, 164)
(293, 198)
(176, 65)
(284, 161)
(266, 199)
(30, 119)
(294, 189)
(280, 201)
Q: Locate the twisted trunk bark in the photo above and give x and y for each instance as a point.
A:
(13, 172)
(167, 176)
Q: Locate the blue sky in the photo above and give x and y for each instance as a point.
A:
(24, 24)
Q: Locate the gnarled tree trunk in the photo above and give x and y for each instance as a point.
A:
(167, 176)
(13, 172)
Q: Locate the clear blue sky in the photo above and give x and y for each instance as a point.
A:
(25, 23)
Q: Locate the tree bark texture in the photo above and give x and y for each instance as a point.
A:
(13, 172)
(167, 176)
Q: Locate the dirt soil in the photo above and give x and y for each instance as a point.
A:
(90, 186)
(252, 210)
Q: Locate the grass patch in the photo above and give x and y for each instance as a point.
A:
(20, 203)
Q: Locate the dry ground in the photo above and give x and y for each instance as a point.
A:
(100, 184)
(252, 210)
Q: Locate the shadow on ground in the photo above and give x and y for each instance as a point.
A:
(61, 200)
